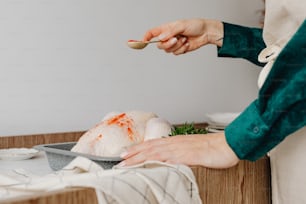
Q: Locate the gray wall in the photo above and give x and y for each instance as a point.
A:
(64, 64)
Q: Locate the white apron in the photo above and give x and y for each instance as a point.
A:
(288, 159)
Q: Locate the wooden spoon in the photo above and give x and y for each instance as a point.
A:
(137, 44)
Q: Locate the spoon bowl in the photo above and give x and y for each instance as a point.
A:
(137, 44)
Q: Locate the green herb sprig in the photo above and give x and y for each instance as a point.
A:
(187, 129)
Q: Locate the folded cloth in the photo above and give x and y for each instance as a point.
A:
(149, 182)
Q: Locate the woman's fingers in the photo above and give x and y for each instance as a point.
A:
(182, 49)
(149, 150)
(167, 45)
(176, 45)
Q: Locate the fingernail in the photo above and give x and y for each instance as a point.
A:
(173, 41)
(183, 40)
(123, 154)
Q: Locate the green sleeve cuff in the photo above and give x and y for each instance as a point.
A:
(242, 42)
(246, 133)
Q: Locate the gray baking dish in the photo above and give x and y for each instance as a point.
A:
(59, 155)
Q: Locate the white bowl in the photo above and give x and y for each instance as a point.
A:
(221, 119)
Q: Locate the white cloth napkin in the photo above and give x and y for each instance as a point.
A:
(149, 182)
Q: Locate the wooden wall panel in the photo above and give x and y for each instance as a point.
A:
(31, 140)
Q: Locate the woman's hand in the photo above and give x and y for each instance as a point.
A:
(186, 35)
(209, 150)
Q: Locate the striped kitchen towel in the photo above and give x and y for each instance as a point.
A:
(147, 183)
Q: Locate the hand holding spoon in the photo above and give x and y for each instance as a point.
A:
(137, 44)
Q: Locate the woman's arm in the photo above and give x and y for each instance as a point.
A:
(242, 42)
(183, 36)
(280, 108)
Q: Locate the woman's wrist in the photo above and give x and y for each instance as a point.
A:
(215, 32)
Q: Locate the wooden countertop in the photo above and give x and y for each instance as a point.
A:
(245, 183)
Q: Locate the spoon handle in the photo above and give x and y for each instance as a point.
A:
(152, 41)
(156, 41)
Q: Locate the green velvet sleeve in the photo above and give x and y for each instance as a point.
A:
(242, 42)
(280, 108)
